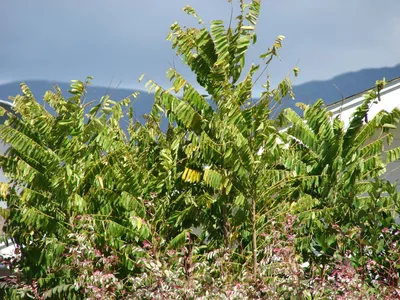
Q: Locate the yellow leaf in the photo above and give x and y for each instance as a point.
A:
(3, 189)
(190, 175)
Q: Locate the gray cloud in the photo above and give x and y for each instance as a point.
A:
(119, 40)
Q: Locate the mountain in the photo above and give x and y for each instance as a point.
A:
(331, 90)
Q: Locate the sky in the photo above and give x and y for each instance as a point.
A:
(117, 40)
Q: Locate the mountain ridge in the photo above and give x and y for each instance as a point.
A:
(331, 90)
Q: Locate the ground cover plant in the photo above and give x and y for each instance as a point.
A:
(227, 203)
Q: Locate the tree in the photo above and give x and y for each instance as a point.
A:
(74, 161)
(338, 194)
(229, 139)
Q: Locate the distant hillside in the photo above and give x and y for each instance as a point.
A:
(332, 90)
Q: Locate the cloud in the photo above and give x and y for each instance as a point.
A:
(121, 39)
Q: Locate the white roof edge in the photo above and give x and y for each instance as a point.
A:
(358, 98)
(8, 103)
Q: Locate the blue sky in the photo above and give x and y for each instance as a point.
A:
(116, 41)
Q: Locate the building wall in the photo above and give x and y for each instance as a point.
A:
(393, 170)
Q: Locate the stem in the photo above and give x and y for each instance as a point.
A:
(254, 235)
(226, 226)
(188, 263)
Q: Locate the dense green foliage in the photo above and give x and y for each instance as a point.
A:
(102, 206)
(341, 201)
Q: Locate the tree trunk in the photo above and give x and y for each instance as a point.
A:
(254, 235)
(226, 226)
